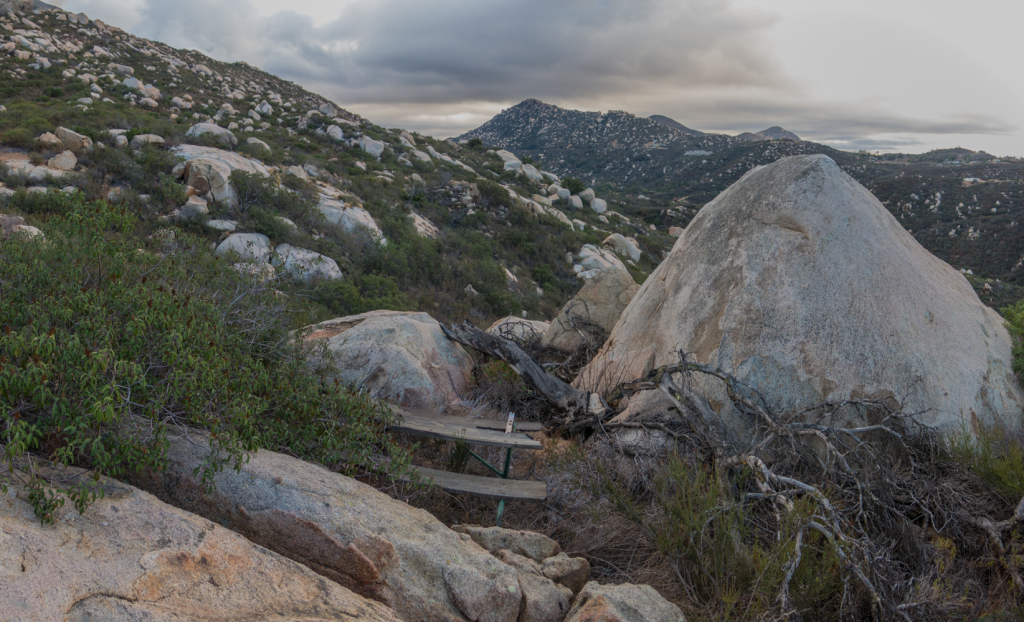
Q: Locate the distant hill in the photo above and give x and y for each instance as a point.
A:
(773, 133)
(676, 125)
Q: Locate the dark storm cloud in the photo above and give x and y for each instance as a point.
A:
(473, 50)
(446, 66)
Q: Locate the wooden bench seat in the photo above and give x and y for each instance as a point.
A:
(486, 424)
(492, 487)
(476, 432)
(464, 429)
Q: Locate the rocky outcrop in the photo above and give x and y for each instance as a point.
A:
(130, 557)
(591, 260)
(799, 282)
(537, 547)
(622, 603)
(349, 532)
(208, 170)
(625, 247)
(398, 356)
(593, 312)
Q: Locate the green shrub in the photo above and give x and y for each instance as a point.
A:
(493, 195)
(995, 455)
(1015, 324)
(573, 185)
(475, 143)
(731, 571)
(103, 345)
(18, 137)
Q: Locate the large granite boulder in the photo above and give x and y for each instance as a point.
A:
(253, 247)
(223, 135)
(622, 603)
(350, 533)
(305, 264)
(351, 218)
(400, 356)
(593, 312)
(131, 557)
(800, 283)
(208, 170)
(73, 141)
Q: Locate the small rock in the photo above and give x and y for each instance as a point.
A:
(622, 603)
(66, 161)
(147, 139)
(49, 141)
(536, 546)
(572, 572)
(599, 206)
(258, 143)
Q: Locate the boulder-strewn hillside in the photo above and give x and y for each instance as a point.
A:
(394, 220)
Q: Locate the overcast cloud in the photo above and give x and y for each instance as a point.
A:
(444, 67)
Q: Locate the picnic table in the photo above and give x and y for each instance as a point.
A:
(509, 435)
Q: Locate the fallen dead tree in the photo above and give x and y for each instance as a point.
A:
(560, 394)
(883, 497)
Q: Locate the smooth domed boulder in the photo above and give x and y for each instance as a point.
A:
(399, 356)
(251, 246)
(345, 530)
(593, 311)
(801, 284)
(131, 557)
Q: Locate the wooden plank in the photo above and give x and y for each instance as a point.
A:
(472, 435)
(492, 487)
(486, 424)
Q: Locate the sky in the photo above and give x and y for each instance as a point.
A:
(878, 75)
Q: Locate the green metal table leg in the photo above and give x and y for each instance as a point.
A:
(508, 467)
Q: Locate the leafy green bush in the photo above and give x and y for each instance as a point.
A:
(103, 345)
(493, 195)
(573, 185)
(996, 455)
(475, 143)
(18, 137)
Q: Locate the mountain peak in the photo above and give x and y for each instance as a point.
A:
(773, 133)
(676, 125)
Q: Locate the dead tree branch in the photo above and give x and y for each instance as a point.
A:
(565, 397)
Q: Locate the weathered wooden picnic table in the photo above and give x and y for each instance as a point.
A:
(477, 432)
